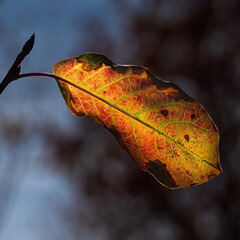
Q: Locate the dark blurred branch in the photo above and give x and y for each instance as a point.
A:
(16, 67)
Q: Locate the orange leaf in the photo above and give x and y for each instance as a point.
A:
(166, 132)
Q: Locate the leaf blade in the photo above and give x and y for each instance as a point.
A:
(155, 121)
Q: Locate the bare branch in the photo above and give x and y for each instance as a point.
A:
(15, 69)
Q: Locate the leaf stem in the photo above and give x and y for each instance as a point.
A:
(50, 75)
(41, 74)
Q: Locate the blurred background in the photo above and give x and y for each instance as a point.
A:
(66, 178)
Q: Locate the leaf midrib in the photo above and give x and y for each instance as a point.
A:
(132, 117)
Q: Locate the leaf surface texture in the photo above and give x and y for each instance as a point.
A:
(166, 132)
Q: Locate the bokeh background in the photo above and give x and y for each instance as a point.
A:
(66, 178)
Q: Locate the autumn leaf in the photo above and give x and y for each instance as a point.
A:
(166, 132)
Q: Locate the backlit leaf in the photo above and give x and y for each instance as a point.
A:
(166, 132)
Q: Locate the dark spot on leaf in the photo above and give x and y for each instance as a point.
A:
(93, 61)
(214, 127)
(164, 112)
(137, 70)
(162, 85)
(104, 92)
(193, 184)
(193, 116)
(64, 91)
(138, 98)
(186, 137)
(219, 167)
(211, 176)
(160, 172)
(120, 69)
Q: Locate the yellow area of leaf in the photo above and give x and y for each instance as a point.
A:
(166, 132)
